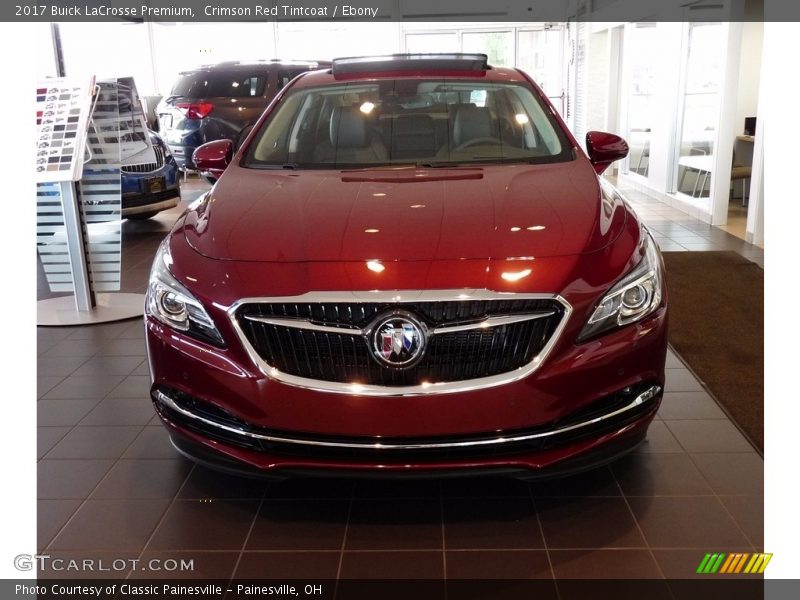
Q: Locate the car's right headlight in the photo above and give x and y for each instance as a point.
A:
(634, 297)
(172, 304)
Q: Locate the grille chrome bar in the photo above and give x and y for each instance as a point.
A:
(646, 396)
(303, 324)
(147, 167)
(493, 322)
(397, 297)
(486, 323)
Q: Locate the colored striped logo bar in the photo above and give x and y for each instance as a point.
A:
(743, 562)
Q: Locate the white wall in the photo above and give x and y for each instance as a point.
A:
(597, 80)
(749, 73)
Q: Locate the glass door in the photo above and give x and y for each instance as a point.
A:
(703, 73)
(642, 57)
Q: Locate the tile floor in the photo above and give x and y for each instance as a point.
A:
(110, 484)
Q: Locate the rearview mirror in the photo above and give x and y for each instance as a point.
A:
(213, 157)
(604, 149)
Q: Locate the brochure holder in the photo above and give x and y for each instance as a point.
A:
(84, 130)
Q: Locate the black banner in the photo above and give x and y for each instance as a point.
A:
(710, 588)
(400, 10)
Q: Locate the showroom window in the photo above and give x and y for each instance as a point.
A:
(699, 109)
(497, 45)
(541, 55)
(537, 51)
(91, 50)
(641, 96)
(182, 46)
(432, 42)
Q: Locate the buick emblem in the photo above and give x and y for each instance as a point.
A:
(397, 340)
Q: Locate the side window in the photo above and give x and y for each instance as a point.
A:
(238, 86)
(249, 86)
(253, 85)
(285, 76)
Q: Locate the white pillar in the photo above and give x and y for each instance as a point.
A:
(755, 213)
(726, 128)
(668, 37)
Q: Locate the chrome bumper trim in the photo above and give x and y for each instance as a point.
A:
(398, 297)
(646, 396)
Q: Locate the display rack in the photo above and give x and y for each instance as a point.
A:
(84, 128)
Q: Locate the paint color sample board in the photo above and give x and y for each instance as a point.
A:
(62, 115)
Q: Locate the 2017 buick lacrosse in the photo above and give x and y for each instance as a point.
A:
(409, 267)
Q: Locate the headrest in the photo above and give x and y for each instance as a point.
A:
(470, 123)
(348, 128)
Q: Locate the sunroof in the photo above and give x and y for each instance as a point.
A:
(410, 62)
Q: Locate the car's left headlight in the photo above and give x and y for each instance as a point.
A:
(634, 297)
(172, 304)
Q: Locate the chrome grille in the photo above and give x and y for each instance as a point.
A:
(458, 355)
(147, 167)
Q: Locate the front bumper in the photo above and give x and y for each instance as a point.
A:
(584, 458)
(146, 203)
(592, 436)
(137, 190)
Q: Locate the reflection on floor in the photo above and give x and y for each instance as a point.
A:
(737, 219)
(111, 486)
(674, 230)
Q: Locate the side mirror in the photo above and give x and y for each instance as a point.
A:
(213, 157)
(604, 149)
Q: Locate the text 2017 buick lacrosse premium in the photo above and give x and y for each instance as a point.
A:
(409, 267)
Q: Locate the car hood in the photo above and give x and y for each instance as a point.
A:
(405, 214)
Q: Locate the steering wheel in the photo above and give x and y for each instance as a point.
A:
(483, 140)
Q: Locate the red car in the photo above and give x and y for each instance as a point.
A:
(409, 267)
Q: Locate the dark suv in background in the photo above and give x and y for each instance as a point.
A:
(222, 101)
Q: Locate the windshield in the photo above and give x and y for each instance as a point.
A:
(418, 121)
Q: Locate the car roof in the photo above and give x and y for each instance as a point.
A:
(244, 64)
(492, 74)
